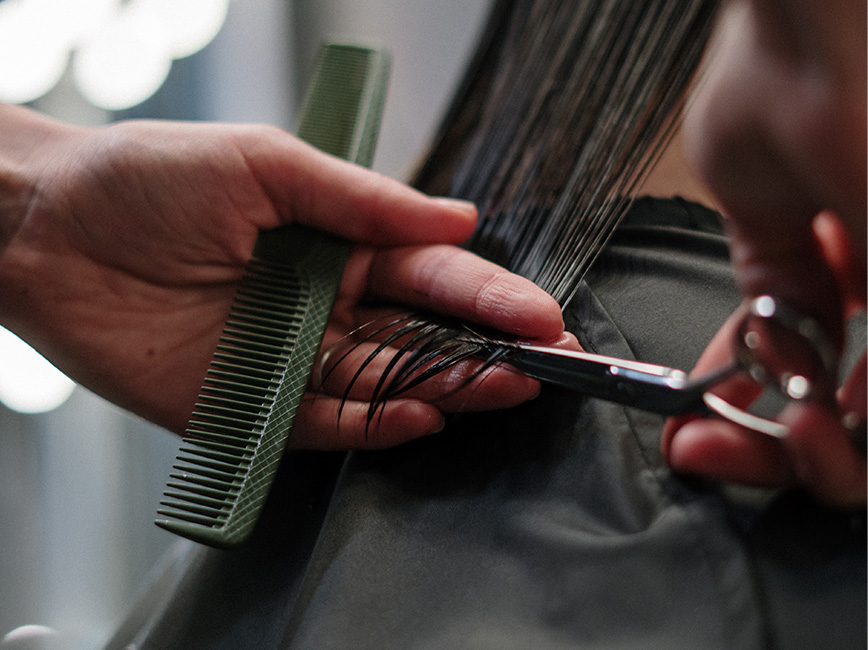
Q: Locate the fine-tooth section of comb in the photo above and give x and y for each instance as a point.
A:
(237, 432)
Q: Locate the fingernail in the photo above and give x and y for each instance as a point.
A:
(439, 425)
(537, 393)
(459, 205)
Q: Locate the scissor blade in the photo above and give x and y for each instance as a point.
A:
(646, 386)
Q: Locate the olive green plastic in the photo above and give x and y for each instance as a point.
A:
(239, 428)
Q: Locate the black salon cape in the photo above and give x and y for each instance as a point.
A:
(552, 525)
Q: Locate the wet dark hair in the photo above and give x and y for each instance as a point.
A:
(564, 109)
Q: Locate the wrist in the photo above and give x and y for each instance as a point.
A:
(25, 137)
(15, 195)
(24, 134)
(15, 189)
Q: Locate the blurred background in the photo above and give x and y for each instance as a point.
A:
(80, 479)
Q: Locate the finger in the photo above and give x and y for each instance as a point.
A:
(455, 282)
(323, 423)
(739, 390)
(311, 187)
(824, 456)
(829, 456)
(724, 451)
(838, 249)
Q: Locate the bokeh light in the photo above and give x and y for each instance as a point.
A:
(34, 49)
(126, 61)
(121, 50)
(29, 383)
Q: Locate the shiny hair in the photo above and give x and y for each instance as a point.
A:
(564, 109)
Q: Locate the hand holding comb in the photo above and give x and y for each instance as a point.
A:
(237, 432)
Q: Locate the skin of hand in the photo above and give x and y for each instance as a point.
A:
(121, 249)
(778, 132)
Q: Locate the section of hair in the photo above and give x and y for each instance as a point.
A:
(563, 111)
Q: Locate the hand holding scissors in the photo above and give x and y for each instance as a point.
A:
(772, 346)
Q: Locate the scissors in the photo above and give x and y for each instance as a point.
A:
(670, 391)
(646, 386)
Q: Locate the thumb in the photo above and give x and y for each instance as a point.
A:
(308, 186)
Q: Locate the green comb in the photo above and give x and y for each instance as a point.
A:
(238, 429)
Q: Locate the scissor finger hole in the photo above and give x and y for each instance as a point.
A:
(744, 418)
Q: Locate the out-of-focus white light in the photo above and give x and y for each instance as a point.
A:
(80, 18)
(125, 61)
(29, 383)
(28, 636)
(190, 24)
(33, 52)
(122, 49)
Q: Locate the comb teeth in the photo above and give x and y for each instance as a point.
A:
(229, 419)
(237, 432)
